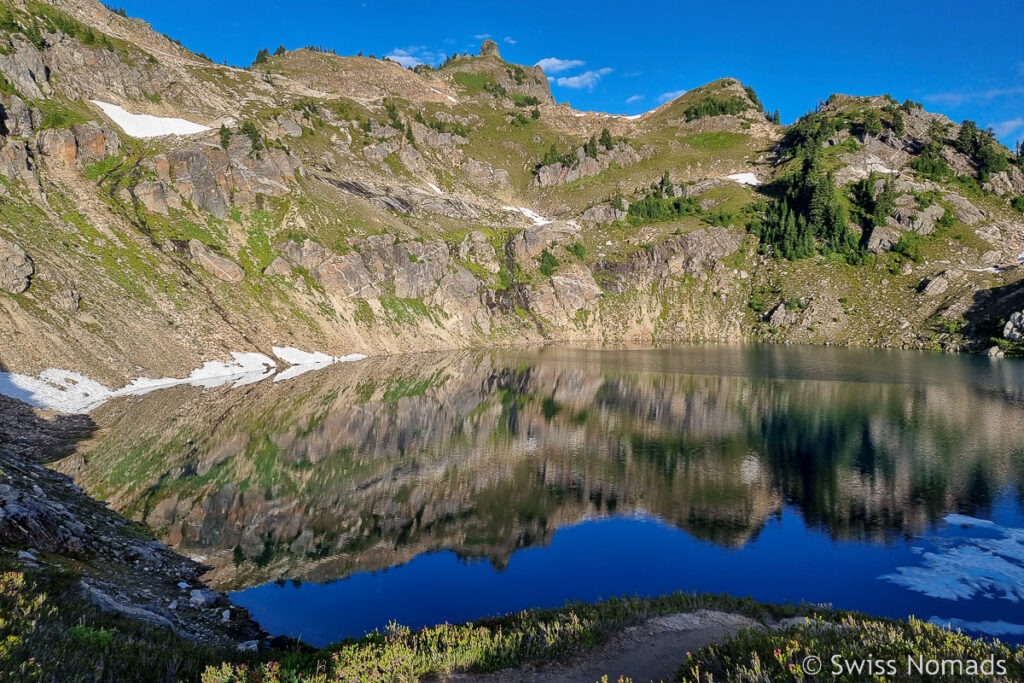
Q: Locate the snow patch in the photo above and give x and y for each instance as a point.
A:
(991, 628)
(246, 368)
(69, 392)
(529, 213)
(294, 356)
(147, 125)
(744, 179)
(967, 521)
(450, 98)
(966, 567)
(435, 188)
(302, 361)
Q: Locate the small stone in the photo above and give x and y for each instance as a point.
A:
(225, 615)
(249, 646)
(173, 605)
(182, 585)
(28, 557)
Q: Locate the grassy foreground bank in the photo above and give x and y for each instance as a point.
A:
(49, 634)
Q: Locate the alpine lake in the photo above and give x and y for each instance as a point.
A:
(446, 487)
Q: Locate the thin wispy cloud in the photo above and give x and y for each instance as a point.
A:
(634, 98)
(554, 65)
(1004, 128)
(666, 96)
(414, 56)
(509, 40)
(482, 36)
(587, 79)
(955, 98)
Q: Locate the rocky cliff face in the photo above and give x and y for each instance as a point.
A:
(346, 204)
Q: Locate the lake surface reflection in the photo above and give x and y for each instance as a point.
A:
(451, 486)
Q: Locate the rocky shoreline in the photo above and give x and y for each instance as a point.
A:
(49, 525)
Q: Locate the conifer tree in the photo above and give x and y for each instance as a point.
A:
(606, 139)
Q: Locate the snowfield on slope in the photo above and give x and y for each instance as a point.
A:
(744, 178)
(69, 392)
(147, 125)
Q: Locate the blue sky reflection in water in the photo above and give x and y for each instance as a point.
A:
(619, 556)
(452, 486)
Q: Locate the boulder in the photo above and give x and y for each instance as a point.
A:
(217, 266)
(67, 299)
(1014, 328)
(882, 238)
(16, 268)
(535, 239)
(482, 173)
(934, 286)
(965, 211)
(603, 213)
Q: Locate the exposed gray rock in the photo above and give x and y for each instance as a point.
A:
(16, 268)
(482, 173)
(882, 238)
(213, 178)
(476, 247)
(204, 597)
(584, 166)
(23, 66)
(603, 213)
(1014, 328)
(217, 266)
(66, 299)
(535, 239)
(16, 165)
(966, 212)
(157, 197)
(16, 118)
(575, 290)
(934, 286)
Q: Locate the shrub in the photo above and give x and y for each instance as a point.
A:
(909, 245)
(225, 136)
(762, 655)
(577, 249)
(548, 263)
(250, 130)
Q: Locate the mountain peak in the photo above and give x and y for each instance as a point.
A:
(489, 47)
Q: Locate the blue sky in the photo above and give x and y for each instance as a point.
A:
(964, 60)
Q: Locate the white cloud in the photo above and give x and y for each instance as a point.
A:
(509, 40)
(482, 36)
(634, 98)
(414, 56)
(554, 65)
(955, 98)
(666, 96)
(1004, 128)
(587, 79)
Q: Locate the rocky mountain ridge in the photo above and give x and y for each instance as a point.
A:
(346, 204)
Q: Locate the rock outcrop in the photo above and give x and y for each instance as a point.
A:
(16, 268)
(1014, 328)
(217, 266)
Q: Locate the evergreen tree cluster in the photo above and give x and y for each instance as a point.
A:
(715, 106)
(809, 215)
(983, 149)
(262, 56)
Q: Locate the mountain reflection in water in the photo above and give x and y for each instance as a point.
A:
(366, 466)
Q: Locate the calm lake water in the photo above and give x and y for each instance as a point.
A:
(447, 487)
